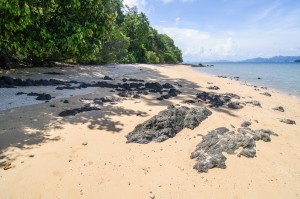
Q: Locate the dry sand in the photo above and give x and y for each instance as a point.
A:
(49, 159)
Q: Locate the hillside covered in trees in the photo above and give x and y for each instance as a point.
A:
(41, 32)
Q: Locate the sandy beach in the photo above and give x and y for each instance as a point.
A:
(86, 155)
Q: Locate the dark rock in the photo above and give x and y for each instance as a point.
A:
(288, 121)
(279, 108)
(66, 101)
(259, 78)
(246, 124)
(254, 102)
(131, 86)
(213, 88)
(43, 96)
(232, 95)
(33, 94)
(143, 92)
(125, 93)
(53, 73)
(52, 105)
(208, 153)
(266, 94)
(215, 100)
(107, 78)
(20, 93)
(174, 92)
(235, 105)
(136, 96)
(77, 110)
(155, 86)
(189, 101)
(66, 88)
(167, 124)
(103, 85)
(167, 86)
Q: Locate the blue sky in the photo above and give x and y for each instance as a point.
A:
(208, 30)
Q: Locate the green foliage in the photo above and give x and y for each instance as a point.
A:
(151, 57)
(86, 31)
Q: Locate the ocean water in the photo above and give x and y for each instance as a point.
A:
(284, 77)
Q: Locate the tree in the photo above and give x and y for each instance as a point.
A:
(49, 30)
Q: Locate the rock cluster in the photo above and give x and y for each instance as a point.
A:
(208, 153)
(217, 100)
(167, 124)
(8, 82)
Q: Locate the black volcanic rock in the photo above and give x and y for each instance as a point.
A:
(155, 86)
(208, 153)
(77, 110)
(213, 88)
(167, 124)
(279, 108)
(43, 96)
(288, 121)
(235, 105)
(107, 78)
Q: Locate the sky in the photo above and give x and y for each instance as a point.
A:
(210, 30)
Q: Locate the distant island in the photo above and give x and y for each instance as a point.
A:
(276, 59)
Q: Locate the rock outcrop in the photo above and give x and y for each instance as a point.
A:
(208, 153)
(167, 124)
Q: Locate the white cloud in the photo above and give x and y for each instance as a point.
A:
(197, 45)
(140, 4)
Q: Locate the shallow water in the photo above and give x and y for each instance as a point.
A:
(284, 77)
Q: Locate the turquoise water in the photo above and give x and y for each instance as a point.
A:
(284, 77)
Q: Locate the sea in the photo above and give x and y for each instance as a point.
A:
(284, 77)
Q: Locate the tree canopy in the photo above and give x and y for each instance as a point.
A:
(38, 32)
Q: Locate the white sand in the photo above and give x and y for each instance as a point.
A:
(49, 160)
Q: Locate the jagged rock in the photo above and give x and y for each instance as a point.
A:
(171, 93)
(254, 102)
(235, 105)
(154, 86)
(208, 153)
(20, 93)
(266, 94)
(107, 78)
(43, 96)
(167, 124)
(215, 100)
(279, 108)
(246, 124)
(232, 95)
(76, 111)
(288, 121)
(189, 101)
(132, 86)
(174, 92)
(213, 88)
(125, 93)
(167, 86)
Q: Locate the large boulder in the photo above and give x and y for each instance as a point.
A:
(209, 152)
(167, 124)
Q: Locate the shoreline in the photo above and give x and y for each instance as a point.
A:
(252, 79)
(86, 155)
